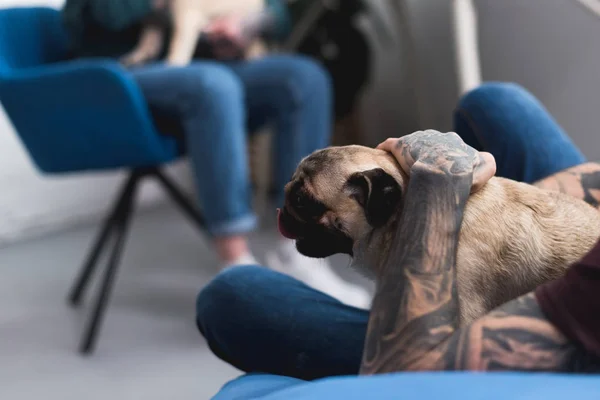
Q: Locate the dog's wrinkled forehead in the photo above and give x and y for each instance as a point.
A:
(328, 162)
(325, 172)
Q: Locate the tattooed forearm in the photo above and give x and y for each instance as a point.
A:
(415, 308)
(416, 305)
(515, 337)
(582, 181)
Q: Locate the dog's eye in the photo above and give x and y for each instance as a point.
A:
(337, 223)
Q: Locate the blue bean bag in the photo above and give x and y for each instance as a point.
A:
(422, 386)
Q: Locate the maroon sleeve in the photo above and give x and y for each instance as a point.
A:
(572, 303)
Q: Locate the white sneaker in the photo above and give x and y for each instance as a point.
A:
(317, 274)
(245, 259)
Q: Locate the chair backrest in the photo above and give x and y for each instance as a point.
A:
(29, 37)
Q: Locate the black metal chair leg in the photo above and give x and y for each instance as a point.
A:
(116, 227)
(89, 267)
(180, 199)
(123, 216)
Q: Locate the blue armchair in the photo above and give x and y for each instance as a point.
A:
(83, 115)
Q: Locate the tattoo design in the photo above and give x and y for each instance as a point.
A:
(413, 324)
(416, 305)
(515, 337)
(590, 183)
(445, 152)
(581, 181)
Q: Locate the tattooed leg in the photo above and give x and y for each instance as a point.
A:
(515, 337)
(582, 181)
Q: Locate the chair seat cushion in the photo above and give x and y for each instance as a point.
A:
(421, 386)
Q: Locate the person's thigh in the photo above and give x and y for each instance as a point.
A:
(295, 94)
(509, 122)
(206, 100)
(259, 320)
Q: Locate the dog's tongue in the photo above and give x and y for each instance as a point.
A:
(281, 229)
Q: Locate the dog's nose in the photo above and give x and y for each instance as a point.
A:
(282, 229)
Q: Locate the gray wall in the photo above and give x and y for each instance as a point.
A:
(551, 47)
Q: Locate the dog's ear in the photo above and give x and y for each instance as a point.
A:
(377, 192)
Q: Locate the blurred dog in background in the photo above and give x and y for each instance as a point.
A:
(188, 20)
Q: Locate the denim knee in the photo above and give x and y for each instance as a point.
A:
(259, 320)
(508, 121)
(209, 86)
(486, 106)
(222, 313)
(220, 300)
(491, 91)
(310, 74)
(306, 79)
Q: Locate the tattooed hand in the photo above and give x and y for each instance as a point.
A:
(444, 153)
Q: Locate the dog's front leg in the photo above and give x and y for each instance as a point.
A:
(148, 48)
(188, 23)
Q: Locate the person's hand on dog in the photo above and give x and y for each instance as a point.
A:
(444, 153)
(228, 37)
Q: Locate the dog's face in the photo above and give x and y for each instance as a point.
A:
(339, 196)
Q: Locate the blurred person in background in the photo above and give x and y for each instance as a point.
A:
(214, 103)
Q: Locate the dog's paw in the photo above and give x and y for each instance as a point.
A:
(134, 60)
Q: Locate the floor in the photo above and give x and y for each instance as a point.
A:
(149, 347)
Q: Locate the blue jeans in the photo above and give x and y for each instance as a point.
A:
(262, 321)
(215, 105)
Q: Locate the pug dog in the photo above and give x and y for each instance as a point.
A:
(513, 238)
(189, 19)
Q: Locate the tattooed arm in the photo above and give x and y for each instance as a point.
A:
(516, 337)
(415, 308)
(413, 320)
(581, 181)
